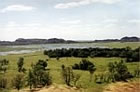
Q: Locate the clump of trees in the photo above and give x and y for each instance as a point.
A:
(84, 65)
(128, 53)
(69, 77)
(39, 76)
(119, 71)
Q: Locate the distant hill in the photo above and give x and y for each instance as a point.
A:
(130, 39)
(22, 41)
(108, 40)
(124, 39)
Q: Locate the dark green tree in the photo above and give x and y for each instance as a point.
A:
(20, 64)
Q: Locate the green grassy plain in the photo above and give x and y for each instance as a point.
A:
(55, 67)
(133, 45)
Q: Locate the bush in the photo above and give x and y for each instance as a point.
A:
(18, 81)
(69, 76)
(119, 71)
(83, 65)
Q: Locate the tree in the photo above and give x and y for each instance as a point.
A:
(20, 64)
(39, 76)
(41, 64)
(18, 81)
(67, 75)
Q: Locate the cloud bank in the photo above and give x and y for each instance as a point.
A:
(83, 2)
(18, 8)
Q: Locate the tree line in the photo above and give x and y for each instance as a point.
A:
(128, 53)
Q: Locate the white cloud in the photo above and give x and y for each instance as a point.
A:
(17, 8)
(111, 21)
(134, 21)
(71, 22)
(83, 2)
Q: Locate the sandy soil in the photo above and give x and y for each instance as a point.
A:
(53, 88)
(123, 87)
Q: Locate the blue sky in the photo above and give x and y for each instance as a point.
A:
(69, 19)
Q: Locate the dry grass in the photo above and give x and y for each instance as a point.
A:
(123, 87)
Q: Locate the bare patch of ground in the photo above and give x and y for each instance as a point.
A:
(53, 88)
(60, 89)
(123, 87)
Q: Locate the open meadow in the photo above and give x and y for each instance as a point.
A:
(54, 66)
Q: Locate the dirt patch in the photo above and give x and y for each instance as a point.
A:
(123, 87)
(60, 89)
(54, 88)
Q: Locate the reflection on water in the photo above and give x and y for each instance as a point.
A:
(33, 48)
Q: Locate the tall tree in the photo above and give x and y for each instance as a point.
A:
(20, 64)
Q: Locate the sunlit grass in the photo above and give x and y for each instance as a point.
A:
(55, 68)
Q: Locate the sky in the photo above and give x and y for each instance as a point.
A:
(69, 19)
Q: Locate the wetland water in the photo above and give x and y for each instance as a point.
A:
(5, 50)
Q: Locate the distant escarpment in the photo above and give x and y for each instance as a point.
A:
(130, 39)
(124, 39)
(22, 41)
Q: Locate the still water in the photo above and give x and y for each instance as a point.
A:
(32, 48)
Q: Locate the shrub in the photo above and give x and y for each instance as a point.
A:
(69, 76)
(18, 81)
(119, 71)
(84, 65)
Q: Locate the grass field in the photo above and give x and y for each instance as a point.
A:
(133, 45)
(55, 66)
